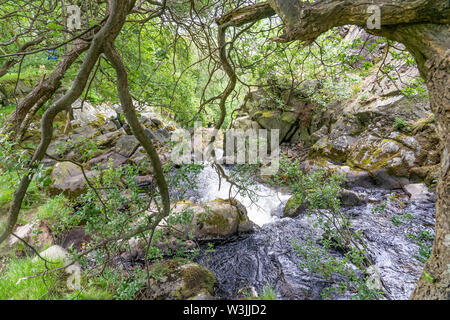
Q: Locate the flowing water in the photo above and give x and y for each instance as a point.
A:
(266, 257)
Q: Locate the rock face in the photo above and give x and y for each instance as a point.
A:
(278, 108)
(379, 130)
(179, 281)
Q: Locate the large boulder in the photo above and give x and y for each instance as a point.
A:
(180, 281)
(417, 191)
(68, 178)
(126, 145)
(215, 219)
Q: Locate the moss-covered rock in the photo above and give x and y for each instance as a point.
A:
(294, 207)
(178, 280)
(67, 178)
(215, 219)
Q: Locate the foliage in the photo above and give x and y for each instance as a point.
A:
(400, 124)
(424, 239)
(319, 260)
(320, 191)
(57, 214)
(267, 293)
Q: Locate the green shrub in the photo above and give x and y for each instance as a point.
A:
(400, 124)
(56, 212)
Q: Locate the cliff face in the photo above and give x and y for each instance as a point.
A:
(382, 130)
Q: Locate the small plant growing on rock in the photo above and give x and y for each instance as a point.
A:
(400, 124)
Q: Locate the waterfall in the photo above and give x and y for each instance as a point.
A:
(264, 208)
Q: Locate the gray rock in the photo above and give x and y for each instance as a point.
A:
(67, 178)
(126, 145)
(55, 253)
(103, 160)
(350, 198)
(417, 191)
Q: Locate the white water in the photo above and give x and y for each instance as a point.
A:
(266, 204)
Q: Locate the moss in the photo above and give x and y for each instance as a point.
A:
(327, 150)
(294, 206)
(196, 279)
(422, 124)
(218, 221)
(99, 122)
(288, 117)
(266, 114)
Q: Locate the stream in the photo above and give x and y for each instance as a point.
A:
(266, 257)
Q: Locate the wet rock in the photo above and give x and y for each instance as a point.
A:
(180, 281)
(386, 181)
(374, 281)
(417, 191)
(267, 256)
(349, 198)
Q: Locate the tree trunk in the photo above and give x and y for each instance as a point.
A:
(438, 265)
(422, 26)
(430, 44)
(45, 89)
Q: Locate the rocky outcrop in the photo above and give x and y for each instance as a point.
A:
(384, 133)
(97, 143)
(288, 110)
(385, 138)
